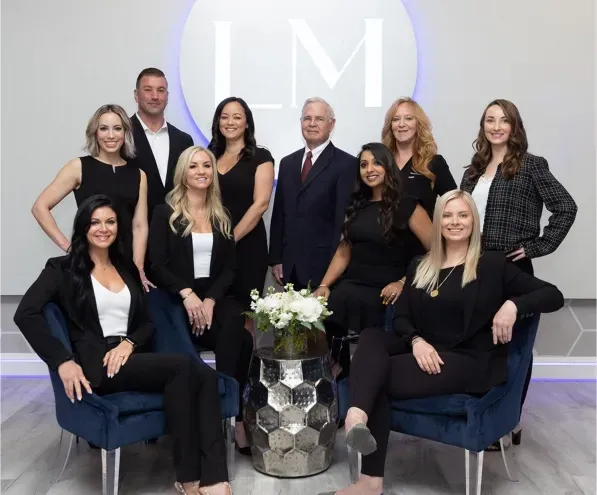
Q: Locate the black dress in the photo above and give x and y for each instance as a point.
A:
(237, 186)
(120, 183)
(420, 187)
(374, 263)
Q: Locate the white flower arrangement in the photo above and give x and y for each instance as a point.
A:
(289, 310)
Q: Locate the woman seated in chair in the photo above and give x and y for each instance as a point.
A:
(192, 255)
(372, 257)
(110, 328)
(452, 326)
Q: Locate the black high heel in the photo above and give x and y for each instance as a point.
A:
(517, 436)
(244, 450)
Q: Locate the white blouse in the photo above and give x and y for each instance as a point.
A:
(112, 308)
(481, 195)
(202, 246)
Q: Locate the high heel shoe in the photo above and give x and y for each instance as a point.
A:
(359, 438)
(517, 436)
(206, 492)
(180, 489)
(244, 450)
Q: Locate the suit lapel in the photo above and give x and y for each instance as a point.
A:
(94, 317)
(144, 153)
(188, 250)
(319, 166)
(134, 291)
(295, 169)
(173, 155)
(215, 249)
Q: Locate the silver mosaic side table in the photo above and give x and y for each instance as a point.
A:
(290, 413)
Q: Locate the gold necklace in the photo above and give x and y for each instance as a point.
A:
(435, 292)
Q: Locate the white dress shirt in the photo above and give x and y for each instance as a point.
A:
(481, 195)
(160, 146)
(316, 152)
(112, 308)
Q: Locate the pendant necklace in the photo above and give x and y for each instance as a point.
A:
(435, 292)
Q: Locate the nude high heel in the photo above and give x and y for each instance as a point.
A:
(180, 488)
(203, 490)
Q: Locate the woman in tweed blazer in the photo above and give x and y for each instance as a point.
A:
(510, 187)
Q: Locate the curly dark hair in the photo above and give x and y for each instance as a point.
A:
(391, 196)
(517, 143)
(217, 145)
(79, 263)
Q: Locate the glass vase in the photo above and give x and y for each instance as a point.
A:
(290, 343)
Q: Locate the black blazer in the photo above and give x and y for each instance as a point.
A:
(156, 190)
(307, 217)
(85, 331)
(498, 280)
(515, 206)
(171, 257)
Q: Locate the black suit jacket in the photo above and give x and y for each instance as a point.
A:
(84, 330)
(171, 257)
(156, 190)
(498, 280)
(307, 217)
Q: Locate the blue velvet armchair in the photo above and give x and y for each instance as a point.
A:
(115, 420)
(463, 420)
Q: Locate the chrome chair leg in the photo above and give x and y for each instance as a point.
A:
(354, 464)
(110, 471)
(474, 476)
(505, 458)
(229, 424)
(70, 446)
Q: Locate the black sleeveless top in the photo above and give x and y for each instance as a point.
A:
(120, 183)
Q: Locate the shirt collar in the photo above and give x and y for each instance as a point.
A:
(144, 125)
(317, 151)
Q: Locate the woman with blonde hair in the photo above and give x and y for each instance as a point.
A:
(452, 326)
(192, 255)
(105, 170)
(407, 133)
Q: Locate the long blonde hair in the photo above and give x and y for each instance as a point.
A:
(179, 201)
(424, 147)
(91, 144)
(427, 275)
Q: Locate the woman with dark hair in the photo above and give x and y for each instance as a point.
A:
(246, 176)
(510, 187)
(451, 331)
(106, 170)
(110, 328)
(368, 268)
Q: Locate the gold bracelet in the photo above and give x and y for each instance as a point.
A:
(323, 285)
(188, 294)
(401, 281)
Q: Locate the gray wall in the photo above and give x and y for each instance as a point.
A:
(62, 59)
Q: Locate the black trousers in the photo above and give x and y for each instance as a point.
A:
(526, 265)
(227, 337)
(383, 366)
(192, 406)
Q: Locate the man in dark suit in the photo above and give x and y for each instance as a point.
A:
(312, 193)
(158, 143)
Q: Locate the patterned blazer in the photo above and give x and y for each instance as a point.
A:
(514, 208)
